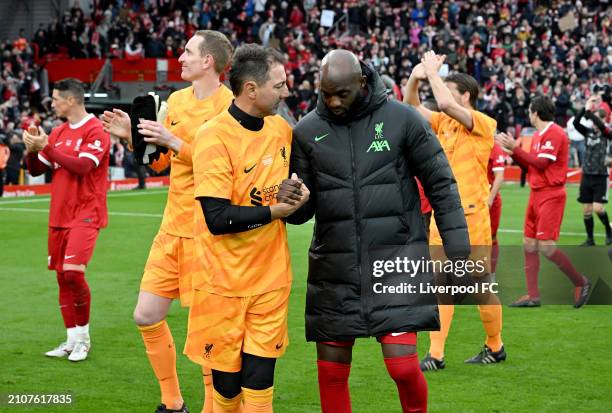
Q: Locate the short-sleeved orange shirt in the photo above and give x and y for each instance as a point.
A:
(246, 167)
(186, 114)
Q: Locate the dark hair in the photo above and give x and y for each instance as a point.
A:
(544, 107)
(71, 86)
(465, 83)
(252, 62)
(218, 46)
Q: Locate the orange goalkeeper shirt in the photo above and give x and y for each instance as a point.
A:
(185, 115)
(468, 155)
(246, 167)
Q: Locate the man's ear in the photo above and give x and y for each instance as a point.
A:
(363, 82)
(209, 61)
(250, 88)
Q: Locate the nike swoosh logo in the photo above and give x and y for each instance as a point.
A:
(67, 257)
(247, 170)
(397, 334)
(279, 346)
(58, 144)
(174, 122)
(318, 138)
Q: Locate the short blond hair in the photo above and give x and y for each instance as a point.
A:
(218, 46)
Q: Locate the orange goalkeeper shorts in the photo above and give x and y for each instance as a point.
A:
(169, 268)
(221, 328)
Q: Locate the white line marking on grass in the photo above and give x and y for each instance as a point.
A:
(145, 215)
(520, 231)
(124, 214)
(110, 195)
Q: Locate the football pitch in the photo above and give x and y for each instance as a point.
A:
(559, 358)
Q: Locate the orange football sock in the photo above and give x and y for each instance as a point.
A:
(438, 338)
(208, 390)
(258, 401)
(491, 316)
(160, 349)
(223, 405)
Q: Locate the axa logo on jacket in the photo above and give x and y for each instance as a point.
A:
(379, 143)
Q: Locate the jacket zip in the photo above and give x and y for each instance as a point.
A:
(364, 312)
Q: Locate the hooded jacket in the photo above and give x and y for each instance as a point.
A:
(360, 172)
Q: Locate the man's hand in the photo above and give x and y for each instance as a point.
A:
(118, 124)
(592, 104)
(432, 63)
(507, 142)
(154, 132)
(283, 208)
(418, 72)
(290, 191)
(35, 139)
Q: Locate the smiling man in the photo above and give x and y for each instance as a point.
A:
(238, 318)
(167, 273)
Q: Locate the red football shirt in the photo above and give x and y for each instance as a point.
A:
(79, 200)
(496, 162)
(553, 144)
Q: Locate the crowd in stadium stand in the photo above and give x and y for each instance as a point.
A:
(513, 48)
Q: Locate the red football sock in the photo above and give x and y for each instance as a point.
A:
(563, 262)
(532, 268)
(410, 381)
(333, 387)
(81, 294)
(66, 301)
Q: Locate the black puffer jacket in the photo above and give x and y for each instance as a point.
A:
(364, 195)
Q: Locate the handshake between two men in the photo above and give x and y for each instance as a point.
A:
(292, 194)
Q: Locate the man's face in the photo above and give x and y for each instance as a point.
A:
(193, 64)
(340, 96)
(270, 94)
(61, 104)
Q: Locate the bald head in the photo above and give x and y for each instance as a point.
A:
(341, 81)
(340, 65)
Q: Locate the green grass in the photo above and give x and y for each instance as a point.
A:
(558, 358)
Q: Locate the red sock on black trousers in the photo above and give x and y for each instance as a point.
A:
(81, 295)
(66, 301)
(410, 381)
(333, 387)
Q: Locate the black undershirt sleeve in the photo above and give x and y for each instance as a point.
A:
(224, 218)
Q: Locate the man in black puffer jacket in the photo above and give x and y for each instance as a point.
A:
(359, 154)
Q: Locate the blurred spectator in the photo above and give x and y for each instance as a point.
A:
(5, 152)
(577, 144)
(15, 161)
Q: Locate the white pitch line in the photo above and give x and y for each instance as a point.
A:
(513, 231)
(111, 195)
(145, 215)
(125, 214)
